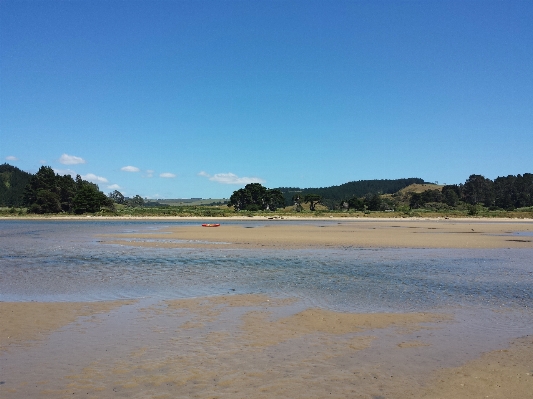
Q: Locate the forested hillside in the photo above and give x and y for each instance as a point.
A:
(505, 192)
(12, 183)
(48, 192)
(334, 195)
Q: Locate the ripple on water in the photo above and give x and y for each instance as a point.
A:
(64, 261)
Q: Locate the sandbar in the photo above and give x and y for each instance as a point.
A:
(355, 233)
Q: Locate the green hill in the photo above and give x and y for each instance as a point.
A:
(332, 196)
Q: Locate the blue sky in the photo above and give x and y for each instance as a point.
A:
(178, 99)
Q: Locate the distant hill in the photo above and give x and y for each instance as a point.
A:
(419, 188)
(332, 196)
(12, 183)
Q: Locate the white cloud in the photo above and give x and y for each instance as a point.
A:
(70, 160)
(63, 172)
(93, 178)
(114, 187)
(149, 173)
(167, 175)
(230, 178)
(130, 169)
(11, 158)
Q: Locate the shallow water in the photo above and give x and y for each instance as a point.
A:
(488, 293)
(68, 261)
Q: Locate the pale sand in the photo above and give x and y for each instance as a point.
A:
(24, 322)
(243, 346)
(361, 233)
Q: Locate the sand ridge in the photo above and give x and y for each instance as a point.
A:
(362, 233)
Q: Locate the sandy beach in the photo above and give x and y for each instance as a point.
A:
(243, 346)
(459, 233)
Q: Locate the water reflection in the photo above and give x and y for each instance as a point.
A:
(64, 261)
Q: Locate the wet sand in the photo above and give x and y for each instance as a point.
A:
(24, 323)
(245, 346)
(356, 233)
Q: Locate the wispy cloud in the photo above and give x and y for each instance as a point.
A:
(66, 159)
(95, 179)
(149, 173)
(231, 178)
(130, 169)
(114, 187)
(167, 175)
(11, 158)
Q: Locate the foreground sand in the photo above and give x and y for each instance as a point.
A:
(244, 346)
(357, 233)
(23, 323)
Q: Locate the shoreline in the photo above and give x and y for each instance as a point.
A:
(268, 218)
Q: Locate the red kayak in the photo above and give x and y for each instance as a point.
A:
(211, 225)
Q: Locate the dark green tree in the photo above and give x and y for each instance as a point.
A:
(451, 195)
(373, 202)
(240, 199)
(357, 204)
(88, 199)
(297, 201)
(258, 196)
(135, 202)
(12, 184)
(117, 197)
(512, 192)
(524, 189)
(255, 197)
(419, 200)
(47, 192)
(416, 201)
(313, 200)
(478, 190)
(67, 191)
(274, 199)
(45, 202)
(44, 179)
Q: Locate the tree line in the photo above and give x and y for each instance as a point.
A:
(255, 197)
(334, 195)
(48, 192)
(503, 193)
